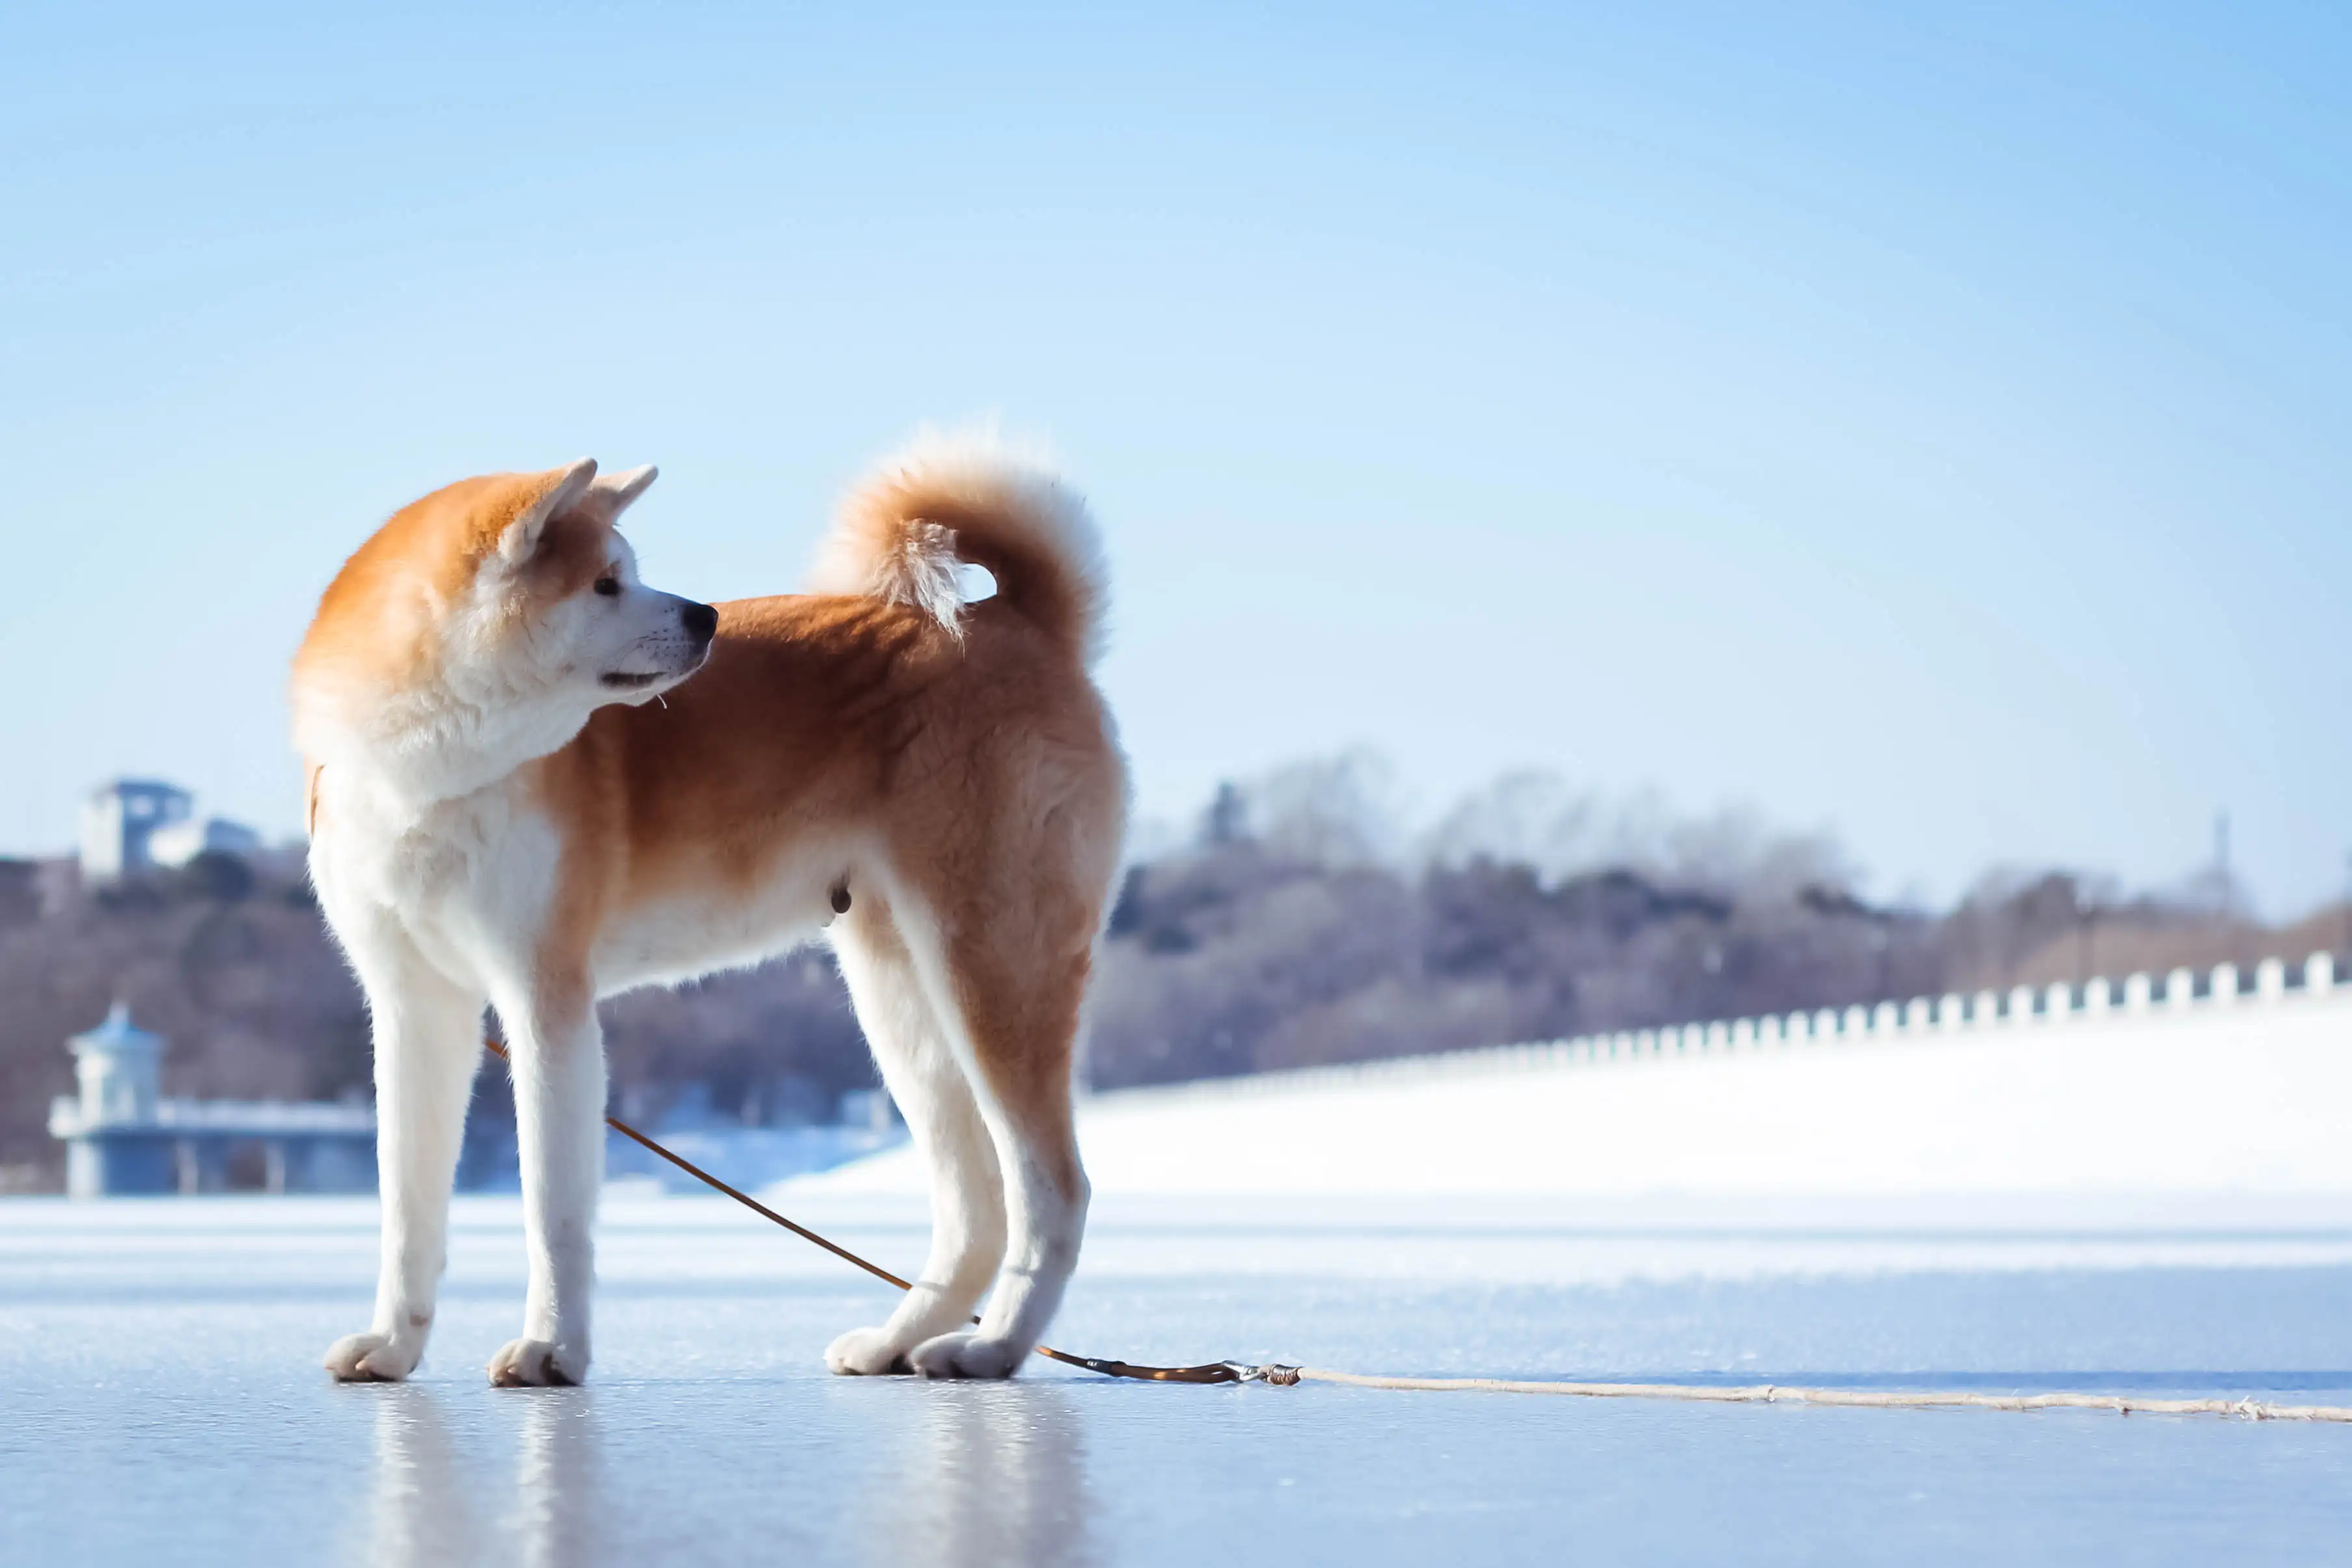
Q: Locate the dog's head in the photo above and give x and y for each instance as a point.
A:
(482, 625)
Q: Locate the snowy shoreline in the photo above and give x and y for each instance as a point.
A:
(2218, 1093)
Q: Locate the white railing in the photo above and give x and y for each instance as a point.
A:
(245, 1118)
(2181, 994)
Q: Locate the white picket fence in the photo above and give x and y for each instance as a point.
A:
(2183, 994)
(2218, 1087)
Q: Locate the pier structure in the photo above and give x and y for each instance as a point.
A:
(123, 1138)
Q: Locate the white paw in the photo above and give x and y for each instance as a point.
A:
(865, 1353)
(536, 1364)
(372, 1358)
(964, 1354)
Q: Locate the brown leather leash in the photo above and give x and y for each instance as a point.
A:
(1207, 1371)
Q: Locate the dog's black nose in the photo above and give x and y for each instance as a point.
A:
(701, 621)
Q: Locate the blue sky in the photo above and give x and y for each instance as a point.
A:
(1923, 424)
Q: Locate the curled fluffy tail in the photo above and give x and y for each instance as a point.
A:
(902, 534)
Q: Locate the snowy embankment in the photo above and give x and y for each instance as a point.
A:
(2220, 1093)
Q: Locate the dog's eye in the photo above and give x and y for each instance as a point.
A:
(608, 586)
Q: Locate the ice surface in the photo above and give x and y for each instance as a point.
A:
(160, 1400)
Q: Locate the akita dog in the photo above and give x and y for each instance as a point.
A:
(504, 815)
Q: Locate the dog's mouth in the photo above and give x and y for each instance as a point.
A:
(632, 681)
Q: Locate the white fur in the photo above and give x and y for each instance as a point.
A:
(923, 571)
(439, 876)
(933, 1091)
(439, 913)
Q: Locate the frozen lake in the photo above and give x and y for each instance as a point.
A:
(160, 1399)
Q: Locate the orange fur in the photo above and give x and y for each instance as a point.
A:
(376, 621)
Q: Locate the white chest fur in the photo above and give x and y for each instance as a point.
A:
(467, 880)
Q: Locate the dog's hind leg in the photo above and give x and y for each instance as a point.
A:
(1014, 1001)
(428, 1042)
(920, 1070)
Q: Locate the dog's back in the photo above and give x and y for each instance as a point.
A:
(958, 754)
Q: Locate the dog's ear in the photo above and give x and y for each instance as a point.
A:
(614, 493)
(559, 488)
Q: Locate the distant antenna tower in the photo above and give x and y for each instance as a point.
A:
(2222, 865)
(1228, 820)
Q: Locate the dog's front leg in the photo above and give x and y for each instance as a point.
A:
(428, 1042)
(558, 1077)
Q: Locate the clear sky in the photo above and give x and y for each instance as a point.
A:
(1927, 423)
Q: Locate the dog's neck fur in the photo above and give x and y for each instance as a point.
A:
(409, 755)
(462, 728)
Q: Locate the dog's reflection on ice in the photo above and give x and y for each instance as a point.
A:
(560, 1506)
(435, 1508)
(421, 1505)
(1002, 1469)
(1003, 1466)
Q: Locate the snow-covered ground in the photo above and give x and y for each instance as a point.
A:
(160, 1397)
(2252, 1094)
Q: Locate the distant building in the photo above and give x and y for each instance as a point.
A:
(123, 1137)
(129, 826)
(184, 842)
(118, 822)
